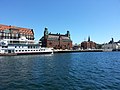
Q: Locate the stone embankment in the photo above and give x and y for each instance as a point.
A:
(70, 51)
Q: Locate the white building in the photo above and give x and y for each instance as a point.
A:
(111, 46)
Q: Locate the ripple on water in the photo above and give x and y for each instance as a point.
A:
(68, 71)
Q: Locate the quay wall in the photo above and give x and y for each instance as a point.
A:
(70, 51)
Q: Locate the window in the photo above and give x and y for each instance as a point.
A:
(12, 35)
(0, 34)
(9, 34)
(6, 51)
(12, 51)
(50, 43)
(42, 49)
(3, 34)
(4, 46)
(6, 34)
(16, 35)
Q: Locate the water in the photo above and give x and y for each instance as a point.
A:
(68, 71)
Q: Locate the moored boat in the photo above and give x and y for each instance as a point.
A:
(23, 48)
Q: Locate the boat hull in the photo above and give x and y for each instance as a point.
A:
(34, 53)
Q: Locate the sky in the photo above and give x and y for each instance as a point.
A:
(99, 19)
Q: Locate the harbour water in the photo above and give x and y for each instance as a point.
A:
(63, 71)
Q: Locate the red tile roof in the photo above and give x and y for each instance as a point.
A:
(16, 29)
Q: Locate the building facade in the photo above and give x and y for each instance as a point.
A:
(13, 33)
(111, 45)
(56, 41)
(88, 44)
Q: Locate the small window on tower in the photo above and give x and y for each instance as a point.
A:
(50, 43)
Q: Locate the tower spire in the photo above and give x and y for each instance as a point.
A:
(89, 39)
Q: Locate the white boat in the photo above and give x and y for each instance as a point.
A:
(22, 46)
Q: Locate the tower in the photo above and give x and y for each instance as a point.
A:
(68, 34)
(45, 32)
(112, 40)
(89, 39)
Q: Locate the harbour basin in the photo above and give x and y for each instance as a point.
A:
(61, 71)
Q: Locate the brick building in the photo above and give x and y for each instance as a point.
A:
(88, 44)
(57, 41)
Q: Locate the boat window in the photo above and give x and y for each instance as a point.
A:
(12, 51)
(42, 49)
(5, 50)
(4, 46)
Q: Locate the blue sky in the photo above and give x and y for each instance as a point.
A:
(99, 19)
